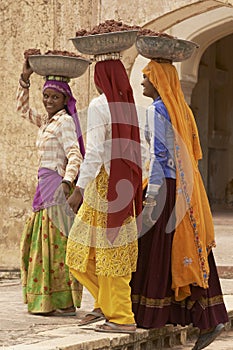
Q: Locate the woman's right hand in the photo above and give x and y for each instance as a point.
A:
(27, 71)
(75, 199)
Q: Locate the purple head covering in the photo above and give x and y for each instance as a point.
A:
(64, 88)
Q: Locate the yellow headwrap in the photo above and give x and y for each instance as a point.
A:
(194, 232)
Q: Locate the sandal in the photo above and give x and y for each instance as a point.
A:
(92, 317)
(206, 339)
(110, 327)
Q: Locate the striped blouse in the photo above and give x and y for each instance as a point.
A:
(57, 143)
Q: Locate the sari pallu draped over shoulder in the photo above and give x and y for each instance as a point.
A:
(194, 231)
(125, 180)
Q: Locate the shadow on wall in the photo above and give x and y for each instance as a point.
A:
(229, 194)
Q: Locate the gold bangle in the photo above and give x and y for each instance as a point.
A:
(149, 204)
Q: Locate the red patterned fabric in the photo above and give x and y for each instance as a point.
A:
(111, 77)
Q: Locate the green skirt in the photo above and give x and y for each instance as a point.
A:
(47, 283)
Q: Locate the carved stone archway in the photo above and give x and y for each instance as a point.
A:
(172, 19)
(205, 30)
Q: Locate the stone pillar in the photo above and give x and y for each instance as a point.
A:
(187, 87)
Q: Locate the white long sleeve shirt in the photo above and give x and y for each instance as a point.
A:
(98, 141)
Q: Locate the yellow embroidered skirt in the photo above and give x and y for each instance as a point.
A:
(89, 230)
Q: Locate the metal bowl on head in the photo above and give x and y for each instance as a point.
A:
(65, 66)
(165, 48)
(98, 44)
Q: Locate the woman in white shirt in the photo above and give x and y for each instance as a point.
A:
(102, 244)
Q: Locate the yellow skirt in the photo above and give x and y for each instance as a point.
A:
(89, 230)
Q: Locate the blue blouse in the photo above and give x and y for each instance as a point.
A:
(160, 137)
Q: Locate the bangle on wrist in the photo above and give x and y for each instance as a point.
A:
(149, 204)
(149, 201)
(67, 183)
(23, 83)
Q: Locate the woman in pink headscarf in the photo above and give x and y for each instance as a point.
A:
(48, 286)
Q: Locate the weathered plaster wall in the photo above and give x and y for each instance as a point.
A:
(29, 24)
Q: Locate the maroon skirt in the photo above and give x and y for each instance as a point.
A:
(153, 299)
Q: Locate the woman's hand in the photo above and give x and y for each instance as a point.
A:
(149, 205)
(27, 71)
(75, 199)
(147, 216)
(66, 189)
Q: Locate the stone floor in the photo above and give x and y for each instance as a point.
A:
(21, 331)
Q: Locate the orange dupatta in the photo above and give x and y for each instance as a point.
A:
(194, 232)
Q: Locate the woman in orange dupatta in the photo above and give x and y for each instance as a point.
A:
(176, 280)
